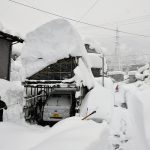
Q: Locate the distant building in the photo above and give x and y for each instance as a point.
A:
(89, 49)
(118, 76)
(96, 60)
(6, 42)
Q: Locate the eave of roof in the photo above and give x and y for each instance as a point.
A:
(10, 37)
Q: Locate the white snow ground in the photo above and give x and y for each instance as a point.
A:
(123, 129)
(142, 91)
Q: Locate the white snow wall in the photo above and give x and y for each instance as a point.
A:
(12, 95)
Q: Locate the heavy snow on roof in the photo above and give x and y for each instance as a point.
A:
(95, 60)
(10, 34)
(94, 44)
(49, 43)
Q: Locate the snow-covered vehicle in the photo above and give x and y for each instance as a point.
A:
(49, 97)
(57, 107)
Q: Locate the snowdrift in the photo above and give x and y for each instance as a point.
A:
(100, 100)
(134, 119)
(73, 134)
(12, 95)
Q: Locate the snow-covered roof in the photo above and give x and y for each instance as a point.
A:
(116, 72)
(132, 72)
(95, 60)
(49, 43)
(10, 37)
(93, 44)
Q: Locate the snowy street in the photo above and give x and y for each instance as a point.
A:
(124, 130)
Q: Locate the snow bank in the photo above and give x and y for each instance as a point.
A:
(108, 83)
(49, 43)
(125, 130)
(12, 94)
(143, 93)
(16, 66)
(69, 134)
(137, 97)
(73, 134)
(99, 99)
(84, 75)
(137, 119)
(21, 137)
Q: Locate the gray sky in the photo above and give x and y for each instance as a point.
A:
(106, 12)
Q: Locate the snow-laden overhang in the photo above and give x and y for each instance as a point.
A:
(10, 37)
(49, 43)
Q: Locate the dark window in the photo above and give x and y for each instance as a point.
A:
(96, 72)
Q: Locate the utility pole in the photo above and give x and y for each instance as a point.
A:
(117, 48)
(103, 69)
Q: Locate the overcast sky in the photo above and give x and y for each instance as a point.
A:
(106, 12)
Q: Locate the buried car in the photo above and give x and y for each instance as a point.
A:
(57, 107)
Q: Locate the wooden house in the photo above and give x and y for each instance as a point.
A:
(6, 42)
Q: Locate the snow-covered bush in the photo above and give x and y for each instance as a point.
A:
(143, 73)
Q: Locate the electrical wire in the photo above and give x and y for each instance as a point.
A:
(89, 9)
(74, 20)
(126, 21)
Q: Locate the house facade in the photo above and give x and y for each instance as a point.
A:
(6, 42)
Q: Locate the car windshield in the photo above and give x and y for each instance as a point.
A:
(59, 100)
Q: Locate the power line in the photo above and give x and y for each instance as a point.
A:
(74, 20)
(134, 55)
(89, 9)
(135, 22)
(127, 20)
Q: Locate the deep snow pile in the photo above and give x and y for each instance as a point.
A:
(128, 124)
(100, 100)
(20, 137)
(12, 95)
(72, 133)
(108, 82)
(142, 91)
(123, 130)
(16, 66)
(50, 42)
